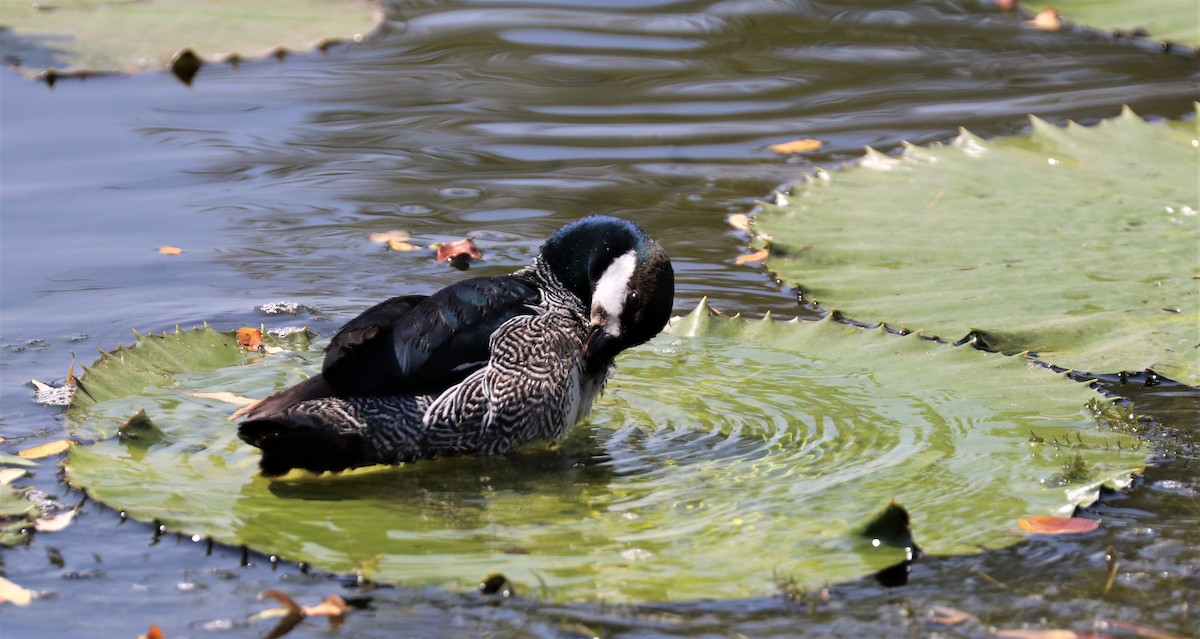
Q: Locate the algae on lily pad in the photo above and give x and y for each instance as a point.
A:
(1078, 243)
(723, 454)
(106, 35)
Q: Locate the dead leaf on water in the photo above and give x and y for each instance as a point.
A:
(9, 475)
(227, 397)
(14, 594)
(250, 338)
(458, 250)
(947, 616)
(1048, 525)
(805, 145)
(170, 250)
(756, 257)
(54, 523)
(1047, 20)
(739, 221)
(292, 613)
(1046, 633)
(45, 450)
(402, 246)
(387, 237)
(153, 633)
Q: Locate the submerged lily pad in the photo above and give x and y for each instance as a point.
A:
(725, 453)
(106, 35)
(1078, 243)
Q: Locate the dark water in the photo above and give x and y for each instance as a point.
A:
(503, 120)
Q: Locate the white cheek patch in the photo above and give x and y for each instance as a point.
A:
(610, 291)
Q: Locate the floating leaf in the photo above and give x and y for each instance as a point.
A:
(947, 616)
(170, 250)
(1047, 525)
(1162, 20)
(458, 250)
(713, 441)
(14, 594)
(1047, 20)
(757, 257)
(333, 607)
(45, 450)
(387, 237)
(9, 475)
(101, 35)
(805, 145)
(1045, 633)
(227, 397)
(54, 523)
(1077, 243)
(250, 338)
(153, 633)
(740, 222)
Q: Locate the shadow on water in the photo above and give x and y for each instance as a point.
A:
(503, 120)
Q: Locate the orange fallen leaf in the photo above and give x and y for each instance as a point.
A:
(333, 607)
(1047, 525)
(1047, 20)
(14, 594)
(170, 250)
(464, 249)
(153, 633)
(804, 145)
(756, 257)
(250, 338)
(45, 450)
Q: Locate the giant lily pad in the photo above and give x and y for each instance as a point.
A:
(110, 35)
(1166, 20)
(1078, 243)
(725, 453)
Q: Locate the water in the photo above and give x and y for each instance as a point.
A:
(503, 120)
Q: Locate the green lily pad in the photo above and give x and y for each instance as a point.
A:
(724, 454)
(1164, 20)
(107, 35)
(1078, 243)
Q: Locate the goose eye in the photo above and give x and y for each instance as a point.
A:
(632, 300)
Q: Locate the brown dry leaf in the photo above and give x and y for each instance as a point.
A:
(739, 221)
(227, 397)
(464, 249)
(292, 613)
(1047, 20)
(757, 257)
(1047, 525)
(170, 250)
(14, 594)
(950, 616)
(245, 409)
(1143, 631)
(153, 633)
(387, 237)
(804, 145)
(45, 450)
(54, 523)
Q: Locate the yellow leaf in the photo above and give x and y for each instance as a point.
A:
(756, 257)
(250, 338)
(170, 250)
(398, 245)
(739, 221)
(14, 594)
(45, 450)
(804, 145)
(1047, 525)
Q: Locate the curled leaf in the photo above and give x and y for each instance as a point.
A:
(292, 613)
(54, 523)
(805, 145)
(170, 250)
(757, 257)
(1047, 525)
(45, 450)
(458, 250)
(250, 338)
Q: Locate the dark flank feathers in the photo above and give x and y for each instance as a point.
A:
(481, 367)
